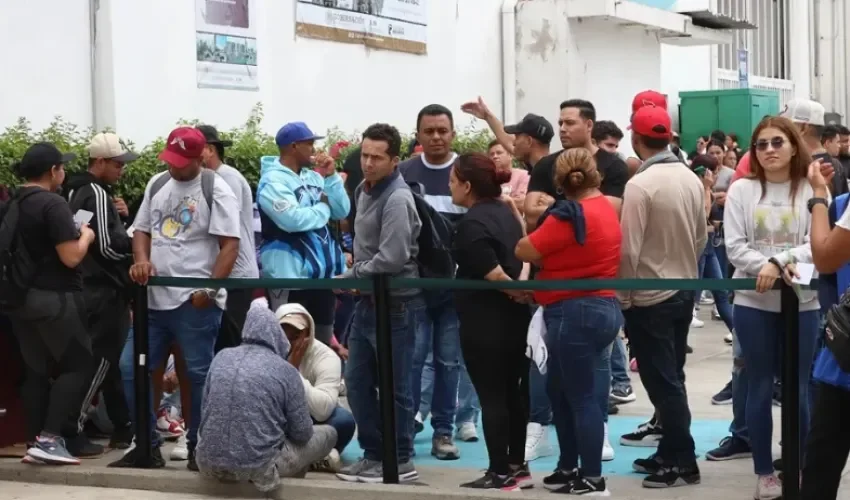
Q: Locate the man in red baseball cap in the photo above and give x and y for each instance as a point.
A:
(664, 233)
(649, 98)
(183, 151)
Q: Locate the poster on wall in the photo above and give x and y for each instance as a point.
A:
(399, 25)
(225, 45)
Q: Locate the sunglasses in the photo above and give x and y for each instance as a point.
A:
(775, 143)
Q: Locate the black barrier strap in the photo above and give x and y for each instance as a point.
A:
(386, 386)
(141, 378)
(791, 395)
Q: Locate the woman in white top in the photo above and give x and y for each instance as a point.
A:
(767, 225)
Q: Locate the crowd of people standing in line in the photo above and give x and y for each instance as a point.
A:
(260, 373)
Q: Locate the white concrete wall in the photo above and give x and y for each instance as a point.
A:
(146, 77)
(46, 68)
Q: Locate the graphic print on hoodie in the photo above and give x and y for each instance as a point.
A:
(297, 242)
(253, 401)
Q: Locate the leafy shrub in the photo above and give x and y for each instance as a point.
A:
(250, 142)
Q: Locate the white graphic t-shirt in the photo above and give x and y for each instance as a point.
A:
(184, 233)
(777, 222)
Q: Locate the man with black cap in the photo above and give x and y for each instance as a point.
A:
(106, 279)
(238, 299)
(527, 141)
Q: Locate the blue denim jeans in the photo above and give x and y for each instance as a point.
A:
(619, 361)
(740, 383)
(361, 374)
(762, 336)
(343, 421)
(579, 336)
(195, 332)
(468, 407)
(658, 336)
(437, 334)
(709, 268)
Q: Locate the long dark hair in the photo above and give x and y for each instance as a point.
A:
(484, 177)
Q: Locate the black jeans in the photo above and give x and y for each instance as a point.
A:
(493, 345)
(108, 320)
(828, 444)
(658, 337)
(233, 318)
(54, 342)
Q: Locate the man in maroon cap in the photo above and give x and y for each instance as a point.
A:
(664, 233)
(187, 226)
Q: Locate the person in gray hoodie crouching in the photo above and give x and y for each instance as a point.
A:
(255, 422)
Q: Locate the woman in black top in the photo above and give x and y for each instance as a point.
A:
(49, 325)
(493, 323)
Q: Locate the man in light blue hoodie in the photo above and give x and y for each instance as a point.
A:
(298, 194)
(255, 422)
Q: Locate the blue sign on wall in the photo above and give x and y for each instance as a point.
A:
(658, 4)
(743, 68)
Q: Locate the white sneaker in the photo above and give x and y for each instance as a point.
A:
(706, 299)
(180, 451)
(537, 442)
(696, 322)
(768, 488)
(607, 449)
(467, 432)
(728, 338)
(331, 463)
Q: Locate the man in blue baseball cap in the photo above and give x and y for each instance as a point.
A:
(298, 194)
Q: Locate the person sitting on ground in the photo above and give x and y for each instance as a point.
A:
(321, 371)
(255, 422)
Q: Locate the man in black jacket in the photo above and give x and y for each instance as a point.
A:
(106, 281)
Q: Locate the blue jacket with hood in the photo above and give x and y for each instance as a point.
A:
(253, 398)
(297, 242)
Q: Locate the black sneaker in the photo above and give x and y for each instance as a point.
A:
(493, 481)
(671, 477)
(647, 435)
(192, 464)
(689, 350)
(777, 464)
(730, 448)
(649, 465)
(584, 486)
(724, 397)
(81, 446)
(121, 438)
(612, 408)
(522, 476)
(623, 394)
(559, 479)
(131, 460)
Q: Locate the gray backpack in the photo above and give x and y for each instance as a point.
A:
(207, 184)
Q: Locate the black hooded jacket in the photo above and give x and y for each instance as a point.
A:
(110, 256)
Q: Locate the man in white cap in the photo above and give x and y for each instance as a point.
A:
(106, 283)
(809, 116)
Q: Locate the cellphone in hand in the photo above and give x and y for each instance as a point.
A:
(82, 217)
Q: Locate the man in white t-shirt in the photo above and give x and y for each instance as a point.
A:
(182, 230)
(238, 299)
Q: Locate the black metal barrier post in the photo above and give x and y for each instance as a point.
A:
(386, 387)
(790, 395)
(141, 379)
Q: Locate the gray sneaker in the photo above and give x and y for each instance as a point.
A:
(352, 472)
(444, 448)
(375, 474)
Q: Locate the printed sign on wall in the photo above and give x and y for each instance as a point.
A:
(225, 45)
(399, 25)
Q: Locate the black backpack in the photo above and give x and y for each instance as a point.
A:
(17, 268)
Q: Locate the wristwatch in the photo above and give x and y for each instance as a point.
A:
(815, 201)
(209, 292)
(776, 263)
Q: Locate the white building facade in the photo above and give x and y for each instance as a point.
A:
(131, 65)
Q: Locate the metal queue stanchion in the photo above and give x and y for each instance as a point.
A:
(791, 452)
(386, 383)
(141, 378)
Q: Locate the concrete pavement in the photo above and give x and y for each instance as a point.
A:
(708, 369)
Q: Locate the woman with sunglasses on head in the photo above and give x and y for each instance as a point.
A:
(767, 223)
(493, 323)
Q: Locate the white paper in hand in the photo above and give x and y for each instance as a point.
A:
(806, 272)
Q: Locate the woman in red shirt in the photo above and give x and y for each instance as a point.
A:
(578, 238)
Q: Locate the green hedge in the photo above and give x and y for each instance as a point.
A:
(249, 144)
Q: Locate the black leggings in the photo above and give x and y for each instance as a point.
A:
(493, 344)
(51, 332)
(828, 444)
